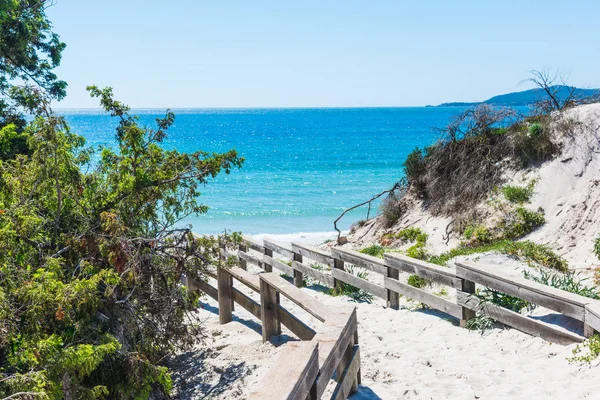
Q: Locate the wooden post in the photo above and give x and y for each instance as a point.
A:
(297, 274)
(243, 263)
(358, 376)
(269, 311)
(345, 361)
(393, 298)
(268, 267)
(588, 331)
(337, 284)
(467, 313)
(224, 295)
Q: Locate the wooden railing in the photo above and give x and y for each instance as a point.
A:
(305, 368)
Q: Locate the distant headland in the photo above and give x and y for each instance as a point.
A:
(524, 98)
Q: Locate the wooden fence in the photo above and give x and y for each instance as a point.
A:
(305, 368)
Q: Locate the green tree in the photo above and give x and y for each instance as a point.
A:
(92, 255)
(29, 52)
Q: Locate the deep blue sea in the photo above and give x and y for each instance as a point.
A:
(303, 166)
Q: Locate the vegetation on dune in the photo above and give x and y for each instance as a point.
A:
(592, 345)
(568, 281)
(518, 194)
(355, 293)
(373, 250)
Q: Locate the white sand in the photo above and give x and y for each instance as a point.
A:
(405, 354)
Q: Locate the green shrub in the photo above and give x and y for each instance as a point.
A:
(569, 281)
(593, 350)
(465, 250)
(597, 247)
(536, 253)
(374, 250)
(535, 130)
(412, 234)
(520, 222)
(417, 251)
(418, 282)
(518, 194)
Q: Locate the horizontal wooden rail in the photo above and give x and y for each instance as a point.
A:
(445, 276)
(362, 260)
(313, 253)
(518, 321)
(558, 300)
(424, 297)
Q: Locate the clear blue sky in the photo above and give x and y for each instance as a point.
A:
(319, 53)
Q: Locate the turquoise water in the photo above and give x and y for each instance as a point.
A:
(303, 166)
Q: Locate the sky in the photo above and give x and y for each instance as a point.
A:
(179, 54)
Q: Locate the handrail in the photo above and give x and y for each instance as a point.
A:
(335, 342)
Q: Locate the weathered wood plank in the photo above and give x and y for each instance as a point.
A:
(353, 280)
(269, 311)
(445, 276)
(279, 265)
(267, 253)
(298, 277)
(466, 314)
(422, 296)
(224, 295)
(558, 300)
(393, 298)
(520, 322)
(313, 253)
(206, 288)
(298, 328)
(253, 244)
(297, 296)
(348, 377)
(292, 374)
(248, 258)
(313, 273)
(333, 337)
(246, 302)
(362, 260)
(245, 277)
(278, 248)
(592, 315)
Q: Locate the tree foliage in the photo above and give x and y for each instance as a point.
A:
(92, 256)
(29, 51)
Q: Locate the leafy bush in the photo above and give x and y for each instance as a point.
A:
(410, 234)
(597, 247)
(535, 130)
(418, 282)
(520, 222)
(465, 250)
(518, 194)
(536, 253)
(478, 235)
(593, 350)
(374, 250)
(569, 281)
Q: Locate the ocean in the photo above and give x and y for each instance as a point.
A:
(303, 166)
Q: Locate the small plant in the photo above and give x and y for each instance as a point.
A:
(503, 300)
(597, 247)
(374, 250)
(412, 234)
(351, 291)
(418, 282)
(593, 350)
(569, 281)
(478, 234)
(535, 130)
(536, 254)
(417, 251)
(518, 194)
(521, 221)
(480, 323)
(443, 292)
(415, 169)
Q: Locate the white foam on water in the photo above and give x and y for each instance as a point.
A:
(309, 238)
